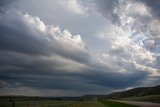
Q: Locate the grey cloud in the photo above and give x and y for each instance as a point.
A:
(107, 7)
(122, 52)
(25, 41)
(154, 5)
(36, 74)
(23, 55)
(139, 22)
(90, 81)
(3, 3)
(18, 37)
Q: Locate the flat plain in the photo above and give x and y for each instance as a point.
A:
(54, 103)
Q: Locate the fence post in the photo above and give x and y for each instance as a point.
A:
(13, 103)
(28, 103)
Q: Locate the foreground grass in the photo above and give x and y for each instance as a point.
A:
(53, 103)
(87, 104)
(48, 103)
(115, 104)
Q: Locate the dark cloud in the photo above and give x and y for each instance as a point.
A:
(5, 2)
(155, 7)
(23, 41)
(39, 74)
(91, 80)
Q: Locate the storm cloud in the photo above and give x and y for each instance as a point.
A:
(72, 48)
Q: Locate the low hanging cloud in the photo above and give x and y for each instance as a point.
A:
(46, 59)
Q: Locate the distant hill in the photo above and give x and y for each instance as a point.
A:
(136, 92)
(94, 97)
(26, 98)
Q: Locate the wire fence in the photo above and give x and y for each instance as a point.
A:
(49, 103)
(35, 103)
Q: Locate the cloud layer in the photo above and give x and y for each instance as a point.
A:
(99, 47)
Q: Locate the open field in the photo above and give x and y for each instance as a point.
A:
(150, 98)
(66, 104)
(25, 102)
(51, 104)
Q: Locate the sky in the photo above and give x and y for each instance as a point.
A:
(78, 47)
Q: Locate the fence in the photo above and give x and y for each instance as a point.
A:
(34, 103)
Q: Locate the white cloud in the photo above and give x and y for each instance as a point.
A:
(124, 50)
(60, 40)
(35, 22)
(130, 42)
(74, 6)
(131, 8)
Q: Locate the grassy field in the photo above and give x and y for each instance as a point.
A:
(150, 98)
(55, 103)
(51, 104)
(24, 101)
(115, 104)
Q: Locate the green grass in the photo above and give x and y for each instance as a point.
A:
(115, 104)
(51, 103)
(87, 104)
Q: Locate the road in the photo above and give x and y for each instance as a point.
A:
(141, 104)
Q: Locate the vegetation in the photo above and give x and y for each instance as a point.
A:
(49, 103)
(115, 104)
(21, 101)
